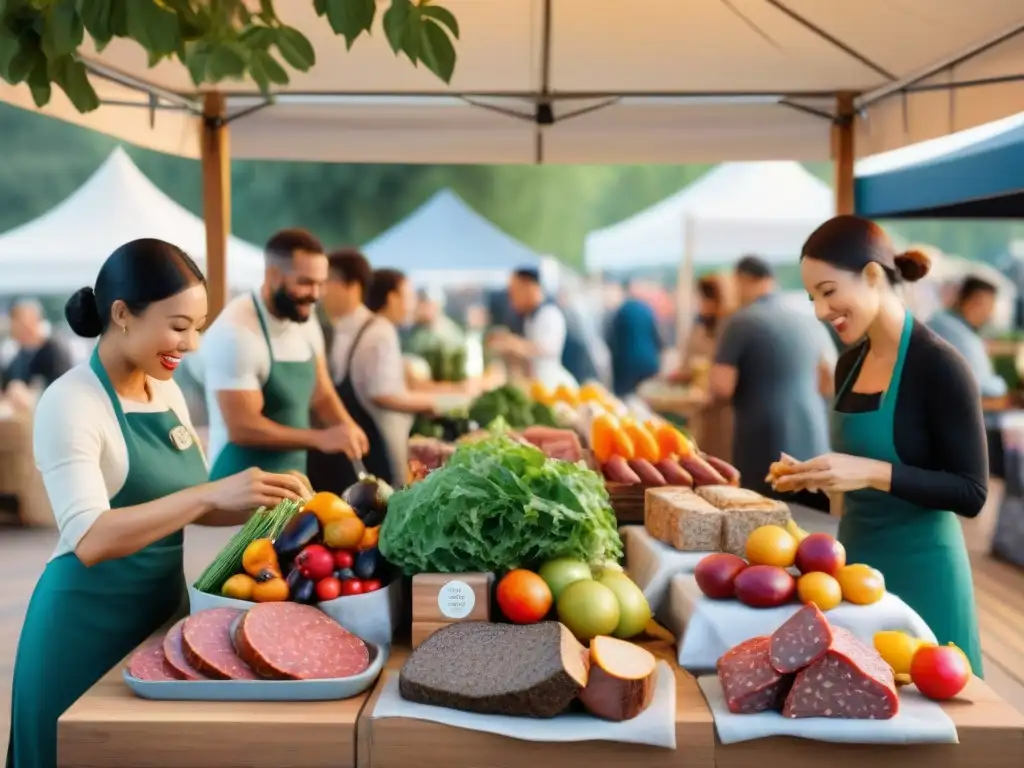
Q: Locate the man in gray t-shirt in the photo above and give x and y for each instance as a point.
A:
(776, 365)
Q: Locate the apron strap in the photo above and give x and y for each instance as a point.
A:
(263, 326)
(115, 401)
(901, 356)
(355, 344)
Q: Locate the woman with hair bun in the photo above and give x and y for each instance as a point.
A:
(125, 474)
(908, 430)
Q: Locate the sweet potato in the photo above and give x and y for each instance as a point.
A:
(616, 470)
(673, 473)
(702, 472)
(724, 468)
(647, 473)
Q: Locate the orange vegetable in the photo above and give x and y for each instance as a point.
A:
(608, 439)
(672, 442)
(328, 507)
(645, 446)
(370, 538)
(273, 590)
(259, 559)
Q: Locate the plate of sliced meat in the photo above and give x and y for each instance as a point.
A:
(272, 652)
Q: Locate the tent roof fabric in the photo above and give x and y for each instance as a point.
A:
(445, 239)
(693, 81)
(765, 208)
(978, 179)
(63, 249)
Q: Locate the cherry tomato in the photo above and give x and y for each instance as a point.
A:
(523, 596)
(371, 585)
(328, 588)
(940, 672)
(343, 558)
(351, 587)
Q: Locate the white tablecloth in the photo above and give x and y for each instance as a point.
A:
(652, 564)
(708, 628)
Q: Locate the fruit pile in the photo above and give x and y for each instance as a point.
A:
(590, 602)
(940, 672)
(765, 579)
(328, 550)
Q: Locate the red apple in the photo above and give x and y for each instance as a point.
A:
(765, 586)
(716, 575)
(820, 552)
(940, 672)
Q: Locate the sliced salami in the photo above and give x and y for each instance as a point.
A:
(849, 681)
(289, 641)
(750, 682)
(206, 641)
(149, 663)
(175, 654)
(800, 641)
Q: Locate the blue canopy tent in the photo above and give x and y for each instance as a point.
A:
(981, 178)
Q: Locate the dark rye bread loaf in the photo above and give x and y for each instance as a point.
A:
(497, 669)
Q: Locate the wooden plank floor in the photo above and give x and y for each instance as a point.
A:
(23, 553)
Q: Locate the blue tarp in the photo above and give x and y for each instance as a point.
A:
(446, 234)
(978, 181)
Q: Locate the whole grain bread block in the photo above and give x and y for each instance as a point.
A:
(682, 519)
(497, 669)
(743, 511)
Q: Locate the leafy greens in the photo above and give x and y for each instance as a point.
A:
(498, 505)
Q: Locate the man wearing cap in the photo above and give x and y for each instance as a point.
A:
(776, 366)
(542, 344)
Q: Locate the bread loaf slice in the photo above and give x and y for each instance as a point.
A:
(497, 669)
(682, 519)
(740, 523)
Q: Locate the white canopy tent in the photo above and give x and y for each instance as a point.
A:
(445, 243)
(575, 81)
(765, 208)
(63, 249)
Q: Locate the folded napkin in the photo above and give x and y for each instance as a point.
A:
(652, 564)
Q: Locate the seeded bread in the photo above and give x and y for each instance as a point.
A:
(682, 519)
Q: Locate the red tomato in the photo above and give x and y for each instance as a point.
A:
(328, 589)
(352, 587)
(940, 672)
(371, 585)
(524, 597)
(343, 558)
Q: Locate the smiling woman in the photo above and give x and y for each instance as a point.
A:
(124, 474)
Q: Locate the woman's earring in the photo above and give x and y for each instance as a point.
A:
(124, 330)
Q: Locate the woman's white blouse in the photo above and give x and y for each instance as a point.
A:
(79, 448)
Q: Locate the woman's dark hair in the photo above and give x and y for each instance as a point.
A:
(851, 243)
(383, 283)
(709, 287)
(138, 273)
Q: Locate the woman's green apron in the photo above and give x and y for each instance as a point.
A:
(287, 394)
(83, 621)
(920, 551)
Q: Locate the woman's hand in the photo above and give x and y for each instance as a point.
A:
(254, 488)
(834, 473)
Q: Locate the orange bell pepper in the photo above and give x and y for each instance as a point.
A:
(645, 445)
(672, 442)
(608, 439)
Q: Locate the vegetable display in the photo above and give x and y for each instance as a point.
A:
(498, 505)
(513, 405)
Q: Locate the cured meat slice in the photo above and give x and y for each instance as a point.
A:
(289, 641)
(801, 640)
(148, 663)
(206, 640)
(850, 681)
(175, 654)
(750, 682)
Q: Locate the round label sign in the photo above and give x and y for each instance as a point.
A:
(456, 599)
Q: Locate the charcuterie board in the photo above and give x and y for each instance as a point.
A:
(262, 690)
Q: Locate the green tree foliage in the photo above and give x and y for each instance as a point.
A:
(216, 40)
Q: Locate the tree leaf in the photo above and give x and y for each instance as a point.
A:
(9, 47)
(70, 74)
(119, 17)
(64, 29)
(438, 53)
(396, 22)
(442, 16)
(259, 75)
(258, 37)
(152, 26)
(320, 6)
(96, 17)
(295, 48)
(225, 61)
(350, 18)
(274, 72)
(196, 59)
(25, 60)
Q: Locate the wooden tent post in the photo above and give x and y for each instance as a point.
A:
(843, 152)
(216, 159)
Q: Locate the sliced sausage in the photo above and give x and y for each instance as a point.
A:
(748, 679)
(175, 654)
(850, 681)
(673, 473)
(206, 640)
(616, 470)
(801, 640)
(288, 641)
(148, 663)
(647, 473)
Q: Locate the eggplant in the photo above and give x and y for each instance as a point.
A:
(301, 589)
(369, 497)
(344, 573)
(303, 529)
(367, 563)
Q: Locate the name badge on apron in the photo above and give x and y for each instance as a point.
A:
(181, 437)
